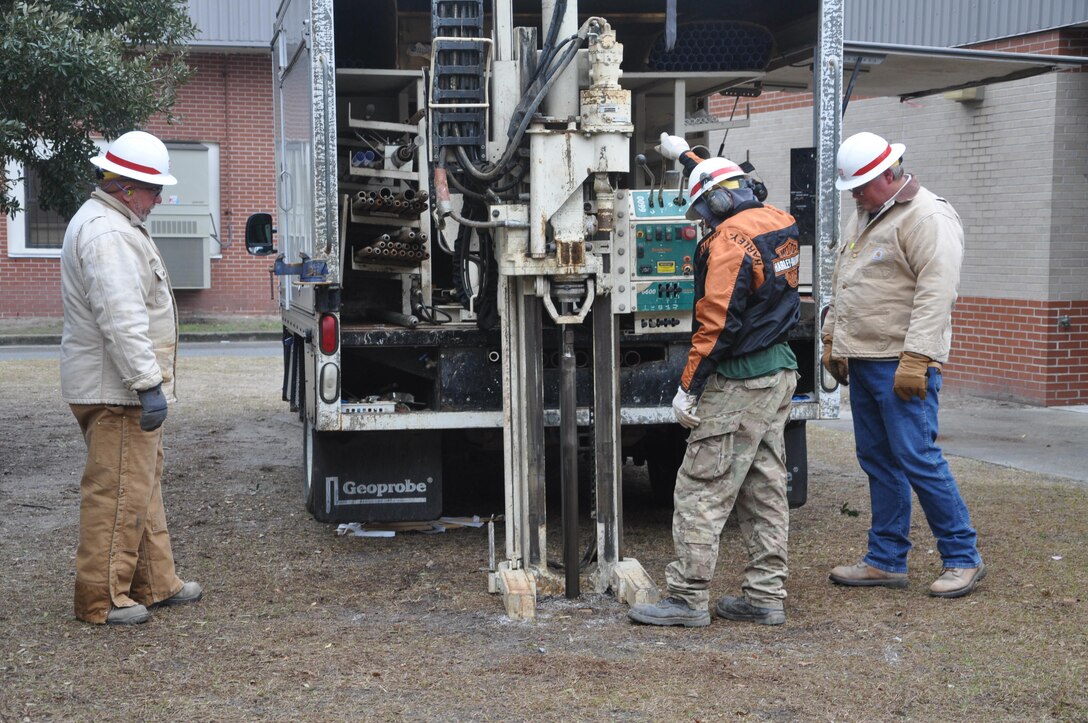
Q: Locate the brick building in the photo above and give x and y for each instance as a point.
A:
(222, 152)
(1013, 160)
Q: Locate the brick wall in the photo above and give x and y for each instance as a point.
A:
(1016, 349)
(1015, 166)
(28, 287)
(229, 102)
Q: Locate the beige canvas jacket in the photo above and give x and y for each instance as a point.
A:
(120, 320)
(896, 279)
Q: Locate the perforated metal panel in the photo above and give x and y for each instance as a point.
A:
(187, 261)
(183, 239)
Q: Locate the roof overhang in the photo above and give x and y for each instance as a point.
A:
(906, 71)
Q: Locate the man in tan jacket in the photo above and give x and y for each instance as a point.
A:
(117, 373)
(888, 331)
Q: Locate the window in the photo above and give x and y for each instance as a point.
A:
(44, 229)
(33, 232)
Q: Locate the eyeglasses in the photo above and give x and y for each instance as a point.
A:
(155, 190)
(858, 190)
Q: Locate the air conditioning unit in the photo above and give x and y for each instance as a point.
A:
(183, 235)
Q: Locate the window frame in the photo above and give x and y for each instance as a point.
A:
(17, 230)
(17, 225)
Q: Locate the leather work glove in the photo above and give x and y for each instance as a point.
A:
(672, 147)
(837, 368)
(683, 408)
(154, 403)
(910, 376)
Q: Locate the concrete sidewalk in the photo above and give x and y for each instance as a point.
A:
(1048, 440)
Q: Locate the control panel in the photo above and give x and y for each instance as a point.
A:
(655, 269)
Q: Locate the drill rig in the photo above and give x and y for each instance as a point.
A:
(477, 257)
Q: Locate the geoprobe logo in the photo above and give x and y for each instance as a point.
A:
(378, 493)
(382, 489)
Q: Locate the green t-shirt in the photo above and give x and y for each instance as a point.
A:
(759, 363)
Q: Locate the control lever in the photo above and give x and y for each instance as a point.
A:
(641, 161)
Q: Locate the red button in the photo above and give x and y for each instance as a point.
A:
(689, 233)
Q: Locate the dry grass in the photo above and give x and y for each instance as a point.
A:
(299, 624)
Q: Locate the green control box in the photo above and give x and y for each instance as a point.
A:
(662, 273)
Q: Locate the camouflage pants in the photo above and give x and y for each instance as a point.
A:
(735, 457)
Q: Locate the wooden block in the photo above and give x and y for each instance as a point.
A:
(632, 584)
(518, 590)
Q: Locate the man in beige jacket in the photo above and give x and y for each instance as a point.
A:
(888, 331)
(117, 373)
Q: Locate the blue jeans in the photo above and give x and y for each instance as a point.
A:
(896, 446)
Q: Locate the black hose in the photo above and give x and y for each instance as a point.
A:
(501, 166)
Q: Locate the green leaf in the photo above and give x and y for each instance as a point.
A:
(72, 70)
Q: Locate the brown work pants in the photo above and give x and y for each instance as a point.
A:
(124, 555)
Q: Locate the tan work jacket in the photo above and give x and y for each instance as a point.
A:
(896, 279)
(120, 321)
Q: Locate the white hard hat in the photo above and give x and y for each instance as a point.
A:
(862, 157)
(719, 170)
(139, 156)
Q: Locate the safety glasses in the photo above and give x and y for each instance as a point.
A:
(155, 190)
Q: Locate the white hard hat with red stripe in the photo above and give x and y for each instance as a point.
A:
(864, 156)
(708, 174)
(139, 156)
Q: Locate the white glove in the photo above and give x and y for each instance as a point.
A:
(672, 146)
(683, 408)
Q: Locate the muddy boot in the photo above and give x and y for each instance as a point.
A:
(670, 611)
(865, 575)
(131, 615)
(737, 608)
(190, 592)
(957, 582)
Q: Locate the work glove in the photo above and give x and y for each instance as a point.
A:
(837, 368)
(154, 403)
(683, 408)
(910, 376)
(672, 147)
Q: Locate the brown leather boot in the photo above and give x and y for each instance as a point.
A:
(957, 582)
(865, 575)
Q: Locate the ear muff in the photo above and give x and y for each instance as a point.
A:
(720, 201)
(760, 191)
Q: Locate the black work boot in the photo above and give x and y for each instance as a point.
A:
(737, 608)
(670, 611)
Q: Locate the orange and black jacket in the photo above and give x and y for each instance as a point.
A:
(746, 300)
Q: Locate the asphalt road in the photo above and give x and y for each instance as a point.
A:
(190, 348)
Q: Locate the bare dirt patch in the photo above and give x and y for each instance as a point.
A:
(299, 624)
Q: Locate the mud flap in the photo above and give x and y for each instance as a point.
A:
(796, 464)
(375, 476)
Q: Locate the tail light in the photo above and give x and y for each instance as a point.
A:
(329, 335)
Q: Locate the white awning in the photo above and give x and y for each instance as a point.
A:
(914, 71)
